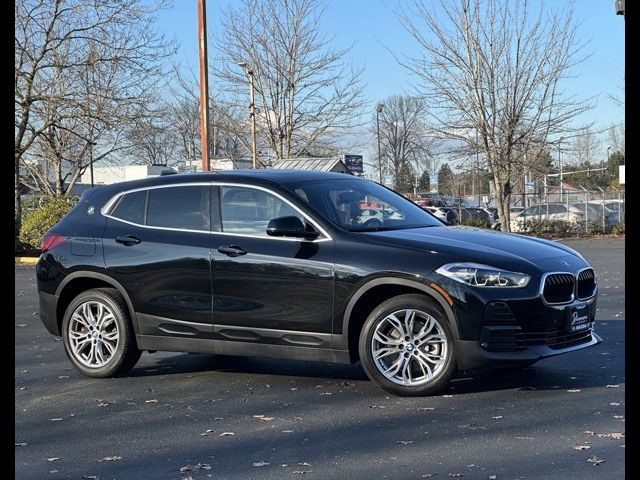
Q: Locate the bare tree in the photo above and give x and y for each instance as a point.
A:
(403, 136)
(154, 139)
(586, 146)
(84, 70)
(495, 67)
(305, 92)
(616, 138)
(229, 126)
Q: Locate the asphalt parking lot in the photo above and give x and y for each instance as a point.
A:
(180, 416)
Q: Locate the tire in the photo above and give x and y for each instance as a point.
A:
(112, 355)
(413, 380)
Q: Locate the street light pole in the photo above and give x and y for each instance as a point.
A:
(252, 115)
(91, 144)
(378, 110)
(204, 84)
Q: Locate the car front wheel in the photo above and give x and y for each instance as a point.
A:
(406, 346)
(97, 334)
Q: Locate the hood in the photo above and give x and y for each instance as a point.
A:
(474, 244)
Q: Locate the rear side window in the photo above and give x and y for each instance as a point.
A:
(131, 207)
(179, 207)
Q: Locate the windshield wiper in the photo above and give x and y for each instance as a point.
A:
(371, 229)
(384, 229)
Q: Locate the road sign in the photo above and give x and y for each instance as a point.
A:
(530, 186)
(354, 163)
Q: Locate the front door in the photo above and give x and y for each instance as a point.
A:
(273, 290)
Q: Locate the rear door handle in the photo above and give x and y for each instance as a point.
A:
(232, 250)
(128, 240)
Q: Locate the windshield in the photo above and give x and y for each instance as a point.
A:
(361, 205)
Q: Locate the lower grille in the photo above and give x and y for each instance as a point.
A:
(511, 341)
(558, 288)
(586, 284)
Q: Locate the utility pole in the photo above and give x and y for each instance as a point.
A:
(204, 84)
(252, 115)
(378, 110)
(560, 167)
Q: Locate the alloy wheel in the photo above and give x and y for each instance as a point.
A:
(409, 347)
(93, 334)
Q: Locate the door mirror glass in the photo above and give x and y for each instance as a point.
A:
(289, 226)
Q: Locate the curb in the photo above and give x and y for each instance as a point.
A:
(27, 260)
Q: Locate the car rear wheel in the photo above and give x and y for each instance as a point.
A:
(406, 346)
(97, 334)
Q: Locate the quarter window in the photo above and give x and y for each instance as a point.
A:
(247, 211)
(131, 207)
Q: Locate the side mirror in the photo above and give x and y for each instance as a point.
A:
(289, 227)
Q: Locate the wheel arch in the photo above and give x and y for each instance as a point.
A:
(380, 289)
(81, 281)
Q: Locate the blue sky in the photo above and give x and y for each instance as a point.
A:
(371, 26)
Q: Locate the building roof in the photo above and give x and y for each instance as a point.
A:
(317, 164)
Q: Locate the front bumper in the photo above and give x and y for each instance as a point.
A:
(470, 355)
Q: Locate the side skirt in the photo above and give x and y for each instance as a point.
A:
(226, 347)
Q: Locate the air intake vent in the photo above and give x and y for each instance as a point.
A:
(558, 288)
(498, 313)
(586, 284)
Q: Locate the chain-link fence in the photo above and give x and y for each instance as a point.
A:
(566, 212)
(569, 211)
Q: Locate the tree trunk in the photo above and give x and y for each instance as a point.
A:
(59, 184)
(503, 205)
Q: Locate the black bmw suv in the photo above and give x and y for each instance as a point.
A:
(300, 265)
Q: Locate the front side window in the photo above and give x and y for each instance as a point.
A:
(360, 205)
(247, 211)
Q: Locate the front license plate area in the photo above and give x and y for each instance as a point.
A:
(577, 318)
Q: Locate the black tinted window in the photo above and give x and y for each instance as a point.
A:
(131, 207)
(179, 207)
(361, 205)
(248, 210)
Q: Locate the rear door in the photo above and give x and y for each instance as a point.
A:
(156, 246)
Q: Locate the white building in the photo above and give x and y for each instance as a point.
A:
(108, 175)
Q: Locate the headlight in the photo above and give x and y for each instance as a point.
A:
(479, 275)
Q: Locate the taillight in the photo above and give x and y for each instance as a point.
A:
(51, 240)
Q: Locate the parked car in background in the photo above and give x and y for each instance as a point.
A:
(444, 214)
(611, 211)
(576, 214)
(515, 211)
(430, 200)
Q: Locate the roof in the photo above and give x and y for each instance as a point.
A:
(263, 177)
(316, 164)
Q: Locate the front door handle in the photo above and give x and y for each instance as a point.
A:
(128, 240)
(232, 250)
